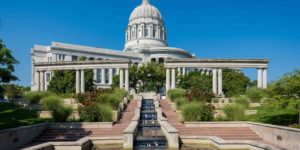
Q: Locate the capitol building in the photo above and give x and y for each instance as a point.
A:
(146, 41)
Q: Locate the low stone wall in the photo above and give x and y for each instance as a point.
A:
(283, 136)
(17, 137)
(130, 132)
(76, 125)
(170, 132)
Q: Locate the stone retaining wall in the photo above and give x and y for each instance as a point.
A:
(17, 137)
(282, 136)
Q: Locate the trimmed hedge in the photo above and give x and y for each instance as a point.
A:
(96, 113)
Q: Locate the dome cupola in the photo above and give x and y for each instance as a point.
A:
(145, 28)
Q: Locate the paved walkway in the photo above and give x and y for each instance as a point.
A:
(227, 133)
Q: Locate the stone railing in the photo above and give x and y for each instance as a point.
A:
(170, 132)
(283, 136)
(130, 132)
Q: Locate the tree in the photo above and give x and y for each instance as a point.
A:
(196, 80)
(7, 62)
(133, 77)
(234, 82)
(64, 81)
(288, 86)
(151, 76)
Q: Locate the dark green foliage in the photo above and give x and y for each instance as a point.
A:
(279, 111)
(175, 93)
(63, 82)
(59, 111)
(151, 76)
(15, 116)
(36, 97)
(12, 91)
(195, 80)
(234, 82)
(7, 62)
(96, 113)
(134, 77)
(234, 112)
(197, 112)
(195, 94)
(255, 94)
(116, 81)
(288, 86)
(180, 102)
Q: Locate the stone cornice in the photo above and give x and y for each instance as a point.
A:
(74, 65)
(217, 63)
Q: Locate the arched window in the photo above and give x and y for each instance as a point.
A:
(154, 33)
(133, 33)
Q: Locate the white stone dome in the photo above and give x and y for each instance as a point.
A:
(145, 10)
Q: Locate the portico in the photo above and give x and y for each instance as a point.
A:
(216, 65)
(80, 67)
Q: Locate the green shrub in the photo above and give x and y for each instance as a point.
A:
(175, 93)
(35, 97)
(180, 102)
(234, 112)
(197, 112)
(243, 101)
(96, 113)
(255, 94)
(59, 111)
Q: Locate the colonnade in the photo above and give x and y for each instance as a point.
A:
(217, 78)
(80, 79)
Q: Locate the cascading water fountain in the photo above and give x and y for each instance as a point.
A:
(150, 135)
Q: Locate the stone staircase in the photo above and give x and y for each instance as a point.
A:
(63, 135)
(226, 133)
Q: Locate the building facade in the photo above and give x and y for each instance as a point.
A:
(145, 41)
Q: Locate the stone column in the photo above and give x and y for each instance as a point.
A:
(102, 75)
(118, 71)
(95, 75)
(38, 81)
(167, 79)
(214, 81)
(259, 78)
(173, 83)
(126, 79)
(183, 71)
(179, 71)
(121, 79)
(77, 81)
(220, 82)
(265, 79)
(110, 72)
(42, 81)
(82, 82)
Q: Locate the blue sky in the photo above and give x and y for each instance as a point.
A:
(208, 28)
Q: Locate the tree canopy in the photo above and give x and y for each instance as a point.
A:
(234, 82)
(63, 82)
(7, 62)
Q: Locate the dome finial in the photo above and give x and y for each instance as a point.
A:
(145, 1)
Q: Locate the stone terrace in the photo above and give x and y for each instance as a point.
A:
(57, 135)
(227, 133)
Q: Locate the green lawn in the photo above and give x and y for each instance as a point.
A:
(16, 116)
